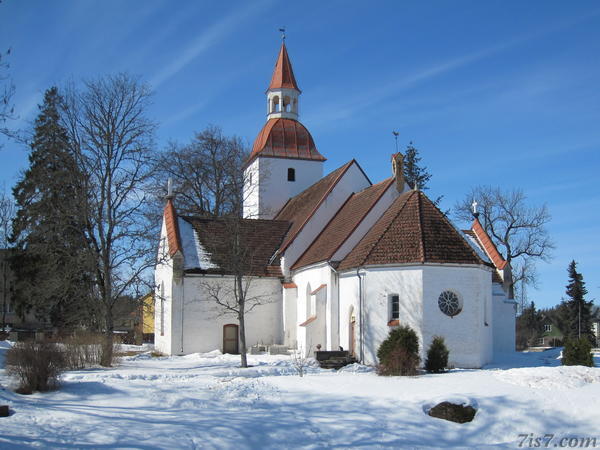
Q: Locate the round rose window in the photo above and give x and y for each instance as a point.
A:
(449, 303)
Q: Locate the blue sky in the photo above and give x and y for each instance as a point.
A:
(504, 93)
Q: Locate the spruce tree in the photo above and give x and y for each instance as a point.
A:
(414, 173)
(575, 313)
(50, 269)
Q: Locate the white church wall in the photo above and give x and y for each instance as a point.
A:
(353, 180)
(503, 322)
(163, 278)
(348, 306)
(365, 225)
(323, 330)
(202, 320)
(290, 316)
(251, 194)
(378, 286)
(275, 189)
(467, 336)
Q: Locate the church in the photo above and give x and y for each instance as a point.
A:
(330, 260)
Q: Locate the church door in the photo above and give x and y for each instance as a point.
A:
(230, 339)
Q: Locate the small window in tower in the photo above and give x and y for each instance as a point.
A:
(291, 174)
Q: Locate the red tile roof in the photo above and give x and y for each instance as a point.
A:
(412, 230)
(283, 75)
(490, 249)
(285, 138)
(259, 239)
(289, 285)
(173, 237)
(299, 209)
(343, 224)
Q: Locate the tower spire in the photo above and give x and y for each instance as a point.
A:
(283, 91)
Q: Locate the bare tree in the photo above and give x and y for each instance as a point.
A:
(205, 173)
(517, 229)
(7, 214)
(113, 138)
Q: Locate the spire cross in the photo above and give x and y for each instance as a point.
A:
(282, 31)
(474, 208)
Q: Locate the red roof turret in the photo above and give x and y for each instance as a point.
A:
(283, 75)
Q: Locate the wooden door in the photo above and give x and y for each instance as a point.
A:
(230, 339)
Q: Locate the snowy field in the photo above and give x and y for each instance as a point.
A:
(206, 401)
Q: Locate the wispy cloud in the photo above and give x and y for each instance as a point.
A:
(210, 37)
(385, 89)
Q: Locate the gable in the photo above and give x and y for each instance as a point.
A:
(343, 224)
(299, 209)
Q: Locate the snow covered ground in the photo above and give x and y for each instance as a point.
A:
(206, 401)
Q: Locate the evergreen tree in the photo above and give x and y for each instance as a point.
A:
(530, 327)
(49, 265)
(414, 173)
(575, 313)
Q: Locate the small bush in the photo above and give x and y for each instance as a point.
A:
(82, 350)
(399, 353)
(437, 356)
(578, 352)
(37, 365)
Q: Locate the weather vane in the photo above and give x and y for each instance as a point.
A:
(282, 31)
(395, 133)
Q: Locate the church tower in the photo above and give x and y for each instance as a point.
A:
(284, 160)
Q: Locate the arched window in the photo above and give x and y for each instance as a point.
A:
(291, 174)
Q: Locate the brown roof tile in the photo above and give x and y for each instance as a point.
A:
(412, 230)
(173, 237)
(285, 138)
(488, 246)
(343, 224)
(283, 75)
(260, 239)
(299, 209)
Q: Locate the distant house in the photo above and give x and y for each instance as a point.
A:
(145, 328)
(551, 337)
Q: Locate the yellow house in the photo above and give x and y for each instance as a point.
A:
(146, 314)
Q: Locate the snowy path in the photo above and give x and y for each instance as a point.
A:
(205, 401)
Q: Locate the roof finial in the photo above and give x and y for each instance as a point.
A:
(170, 189)
(474, 209)
(282, 31)
(395, 133)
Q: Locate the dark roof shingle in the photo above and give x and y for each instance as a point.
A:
(341, 226)
(259, 239)
(412, 230)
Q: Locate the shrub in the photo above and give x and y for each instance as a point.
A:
(37, 365)
(399, 353)
(578, 352)
(437, 356)
(82, 349)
